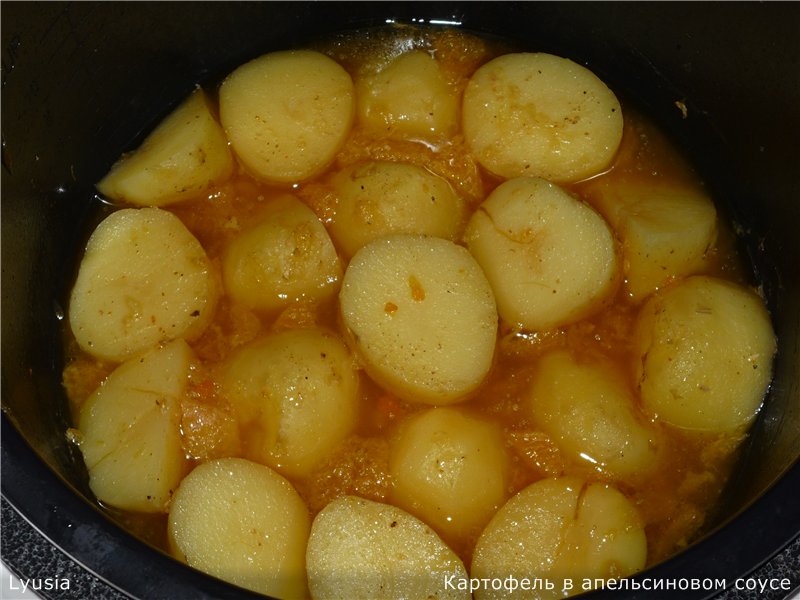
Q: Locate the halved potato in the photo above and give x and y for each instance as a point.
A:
(296, 394)
(666, 231)
(287, 113)
(550, 258)
(377, 198)
(286, 257)
(562, 530)
(450, 469)
(408, 98)
(182, 158)
(364, 550)
(144, 279)
(705, 349)
(589, 411)
(130, 430)
(244, 523)
(421, 316)
(539, 115)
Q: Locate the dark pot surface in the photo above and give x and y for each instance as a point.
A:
(83, 82)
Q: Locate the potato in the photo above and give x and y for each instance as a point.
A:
(143, 280)
(296, 395)
(551, 259)
(130, 430)
(421, 316)
(287, 113)
(705, 348)
(409, 98)
(364, 550)
(181, 159)
(244, 523)
(541, 115)
(449, 469)
(380, 198)
(286, 257)
(589, 411)
(606, 538)
(560, 529)
(666, 231)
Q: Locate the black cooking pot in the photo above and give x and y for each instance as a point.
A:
(83, 82)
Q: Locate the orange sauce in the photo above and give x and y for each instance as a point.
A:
(674, 501)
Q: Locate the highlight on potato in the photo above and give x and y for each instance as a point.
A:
(410, 305)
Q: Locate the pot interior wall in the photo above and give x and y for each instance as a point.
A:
(83, 82)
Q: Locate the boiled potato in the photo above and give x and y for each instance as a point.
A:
(182, 158)
(705, 348)
(144, 279)
(588, 410)
(380, 198)
(296, 394)
(130, 430)
(606, 538)
(560, 529)
(449, 469)
(421, 316)
(666, 231)
(361, 549)
(244, 523)
(409, 98)
(287, 113)
(286, 257)
(551, 259)
(541, 115)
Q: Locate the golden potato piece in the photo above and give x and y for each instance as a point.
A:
(550, 258)
(561, 530)
(666, 231)
(131, 430)
(540, 115)
(705, 350)
(449, 469)
(244, 523)
(287, 113)
(286, 257)
(296, 394)
(587, 409)
(409, 98)
(144, 279)
(182, 158)
(421, 316)
(364, 550)
(375, 199)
